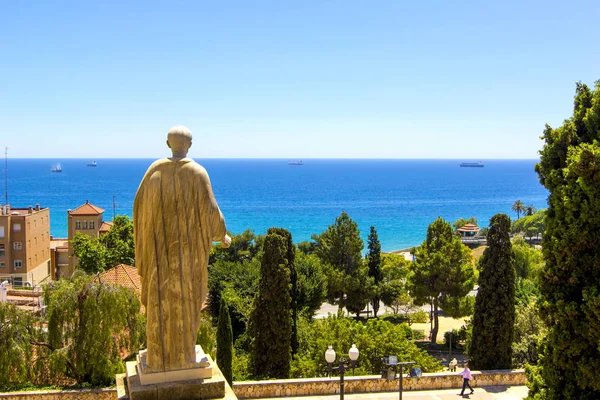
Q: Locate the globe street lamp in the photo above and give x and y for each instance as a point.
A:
(342, 367)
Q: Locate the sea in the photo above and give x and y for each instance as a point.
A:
(400, 198)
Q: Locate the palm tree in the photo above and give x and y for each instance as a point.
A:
(518, 207)
(530, 210)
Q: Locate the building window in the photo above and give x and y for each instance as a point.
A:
(16, 227)
(2, 250)
(17, 281)
(78, 225)
(17, 245)
(2, 264)
(18, 264)
(91, 224)
(1, 232)
(84, 224)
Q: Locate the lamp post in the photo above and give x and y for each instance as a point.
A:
(392, 361)
(402, 364)
(342, 367)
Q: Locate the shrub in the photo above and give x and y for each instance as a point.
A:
(374, 340)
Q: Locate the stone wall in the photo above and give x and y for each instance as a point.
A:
(311, 386)
(372, 384)
(99, 394)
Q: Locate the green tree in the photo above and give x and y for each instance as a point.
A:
(312, 284)
(244, 247)
(530, 210)
(374, 262)
(530, 225)
(529, 333)
(528, 260)
(518, 207)
(97, 254)
(570, 283)
(494, 318)
(91, 254)
(16, 350)
(271, 320)
(92, 327)
(290, 256)
(118, 242)
(393, 290)
(339, 247)
(526, 290)
(307, 247)
(442, 273)
(207, 336)
(238, 283)
(225, 343)
(360, 289)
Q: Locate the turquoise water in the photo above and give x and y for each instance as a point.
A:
(399, 197)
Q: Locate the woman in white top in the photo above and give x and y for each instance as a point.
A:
(466, 373)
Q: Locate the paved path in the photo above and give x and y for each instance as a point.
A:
(487, 393)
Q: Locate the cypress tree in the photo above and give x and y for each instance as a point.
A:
(271, 320)
(290, 255)
(225, 342)
(570, 283)
(374, 262)
(494, 318)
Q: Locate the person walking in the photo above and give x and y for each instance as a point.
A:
(466, 374)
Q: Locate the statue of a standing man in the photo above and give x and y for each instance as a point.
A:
(176, 218)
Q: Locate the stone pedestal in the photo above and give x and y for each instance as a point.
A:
(202, 382)
(201, 369)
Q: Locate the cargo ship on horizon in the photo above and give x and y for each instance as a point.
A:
(472, 164)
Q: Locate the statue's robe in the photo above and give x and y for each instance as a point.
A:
(176, 218)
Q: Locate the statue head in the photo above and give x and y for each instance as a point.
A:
(179, 140)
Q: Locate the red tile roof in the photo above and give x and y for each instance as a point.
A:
(105, 227)
(469, 228)
(87, 209)
(124, 275)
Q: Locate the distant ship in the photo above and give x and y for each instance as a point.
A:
(471, 164)
(58, 168)
(92, 164)
(299, 162)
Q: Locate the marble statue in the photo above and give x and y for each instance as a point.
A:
(176, 218)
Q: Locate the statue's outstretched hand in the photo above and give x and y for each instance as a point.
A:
(226, 241)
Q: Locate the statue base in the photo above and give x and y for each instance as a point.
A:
(202, 382)
(202, 369)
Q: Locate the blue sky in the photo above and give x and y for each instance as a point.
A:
(291, 79)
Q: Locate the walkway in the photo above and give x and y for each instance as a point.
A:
(487, 393)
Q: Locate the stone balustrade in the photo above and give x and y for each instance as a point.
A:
(310, 386)
(372, 384)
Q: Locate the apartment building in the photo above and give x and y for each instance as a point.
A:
(24, 244)
(87, 219)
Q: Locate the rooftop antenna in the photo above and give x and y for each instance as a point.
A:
(6, 176)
